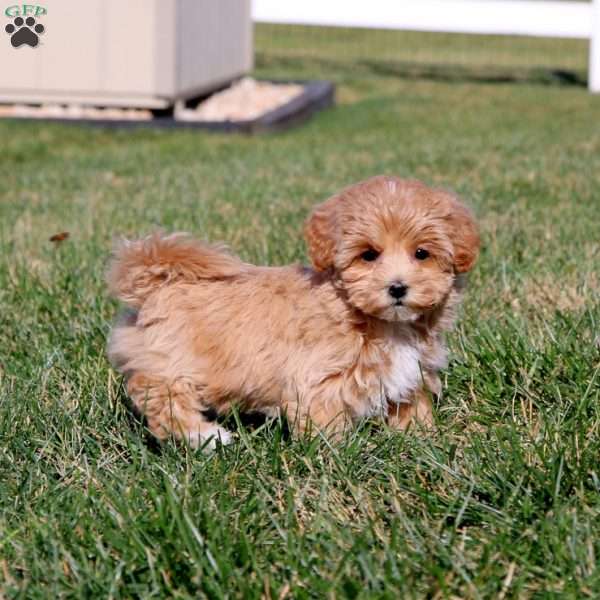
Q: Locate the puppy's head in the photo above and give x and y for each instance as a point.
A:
(394, 245)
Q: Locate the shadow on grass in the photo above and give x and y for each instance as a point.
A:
(448, 73)
(458, 73)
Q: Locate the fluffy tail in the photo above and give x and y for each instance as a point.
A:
(140, 267)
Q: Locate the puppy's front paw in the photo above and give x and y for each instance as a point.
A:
(419, 411)
(208, 437)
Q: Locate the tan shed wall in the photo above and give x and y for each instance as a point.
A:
(214, 42)
(130, 52)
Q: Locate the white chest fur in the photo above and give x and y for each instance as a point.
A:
(404, 372)
(399, 375)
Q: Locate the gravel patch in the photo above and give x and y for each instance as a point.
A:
(73, 111)
(245, 100)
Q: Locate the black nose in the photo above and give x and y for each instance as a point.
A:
(397, 290)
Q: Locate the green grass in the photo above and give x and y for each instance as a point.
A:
(411, 54)
(503, 501)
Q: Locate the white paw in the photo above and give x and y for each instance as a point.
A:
(208, 437)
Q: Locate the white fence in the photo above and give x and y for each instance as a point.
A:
(494, 17)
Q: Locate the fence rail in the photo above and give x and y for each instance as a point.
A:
(495, 17)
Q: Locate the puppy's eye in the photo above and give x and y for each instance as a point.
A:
(370, 255)
(421, 254)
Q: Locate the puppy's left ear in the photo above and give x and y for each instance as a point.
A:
(320, 234)
(464, 235)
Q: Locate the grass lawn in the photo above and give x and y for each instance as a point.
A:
(503, 501)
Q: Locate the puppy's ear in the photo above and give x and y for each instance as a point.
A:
(320, 233)
(464, 235)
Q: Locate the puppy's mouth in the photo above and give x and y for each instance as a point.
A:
(399, 312)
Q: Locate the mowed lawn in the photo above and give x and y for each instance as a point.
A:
(502, 501)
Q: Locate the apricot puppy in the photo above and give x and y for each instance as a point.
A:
(359, 334)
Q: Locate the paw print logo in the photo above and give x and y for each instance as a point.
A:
(24, 32)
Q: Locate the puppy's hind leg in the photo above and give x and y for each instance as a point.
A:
(174, 408)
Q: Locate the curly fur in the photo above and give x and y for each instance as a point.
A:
(325, 345)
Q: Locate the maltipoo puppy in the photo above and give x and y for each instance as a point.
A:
(358, 334)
